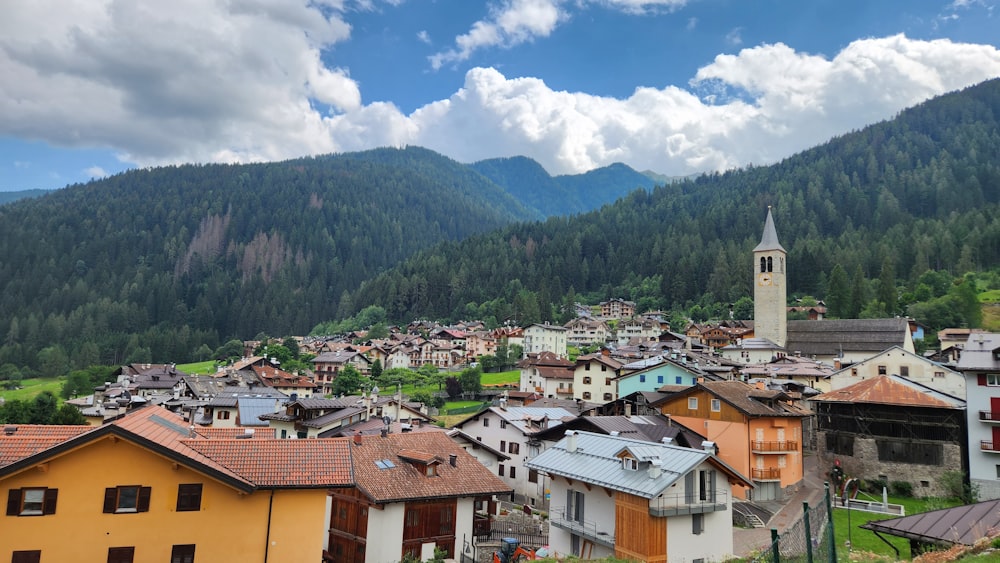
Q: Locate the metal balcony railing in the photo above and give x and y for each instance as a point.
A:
(775, 446)
(671, 505)
(599, 534)
(988, 446)
(989, 416)
(766, 474)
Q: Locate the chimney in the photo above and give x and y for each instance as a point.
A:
(667, 441)
(655, 468)
(571, 441)
(384, 433)
(615, 433)
(628, 408)
(708, 446)
(357, 438)
(453, 460)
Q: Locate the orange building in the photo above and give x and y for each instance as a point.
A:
(147, 487)
(758, 432)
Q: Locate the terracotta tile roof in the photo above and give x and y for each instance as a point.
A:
(891, 390)
(282, 463)
(213, 433)
(20, 441)
(739, 395)
(400, 480)
(417, 455)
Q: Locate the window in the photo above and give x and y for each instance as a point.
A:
(503, 445)
(586, 381)
(130, 498)
(642, 378)
(31, 502)
(630, 463)
(32, 556)
(486, 422)
(500, 469)
(533, 475)
(993, 379)
(904, 371)
(607, 396)
(607, 381)
(697, 524)
(503, 424)
(586, 367)
(998, 472)
(679, 380)
(693, 403)
(182, 554)
(513, 471)
(939, 374)
(716, 405)
(222, 415)
(514, 448)
(121, 554)
(189, 497)
(586, 395)
(882, 370)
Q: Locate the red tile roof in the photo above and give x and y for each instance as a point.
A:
(282, 463)
(20, 441)
(400, 480)
(888, 390)
(214, 433)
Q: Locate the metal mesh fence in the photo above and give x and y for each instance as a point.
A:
(808, 540)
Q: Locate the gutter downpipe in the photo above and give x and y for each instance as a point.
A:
(267, 541)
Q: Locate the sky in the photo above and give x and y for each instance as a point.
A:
(94, 87)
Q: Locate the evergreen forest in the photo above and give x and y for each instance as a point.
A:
(167, 264)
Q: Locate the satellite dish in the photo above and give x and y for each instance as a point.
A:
(387, 420)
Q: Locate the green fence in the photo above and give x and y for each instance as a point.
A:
(808, 540)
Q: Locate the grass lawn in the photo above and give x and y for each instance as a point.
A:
(865, 540)
(501, 378)
(200, 368)
(34, 386)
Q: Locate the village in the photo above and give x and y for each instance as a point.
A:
(661, 445)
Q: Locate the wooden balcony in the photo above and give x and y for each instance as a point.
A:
(766, 474)
(988, 446)
(773, 447)
(989, 417)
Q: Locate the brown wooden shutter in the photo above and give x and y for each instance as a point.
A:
(143, 504)
(14, 502)
(982, 380)
(50, 501)
(110, 499)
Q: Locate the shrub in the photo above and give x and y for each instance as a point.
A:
(955, 486)
(873, 486)
(901, 488)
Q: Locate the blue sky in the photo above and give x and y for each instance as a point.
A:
(675, 86)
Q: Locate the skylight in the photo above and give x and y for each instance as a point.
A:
(384, 464)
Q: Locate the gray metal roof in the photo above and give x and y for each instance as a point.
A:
(769, 239)
(830, 337)
(979, 352)
(961, 524)
(250, 410)
(595, 461)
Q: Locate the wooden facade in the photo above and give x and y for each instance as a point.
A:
(348, 526)
(638, 535)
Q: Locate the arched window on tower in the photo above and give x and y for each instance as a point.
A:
(763, 264)
(769, 265)
(781, 265)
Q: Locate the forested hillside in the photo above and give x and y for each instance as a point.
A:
(550, 196)
(917, 193)
(158, 262)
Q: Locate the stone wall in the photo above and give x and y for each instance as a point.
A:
(865, 464)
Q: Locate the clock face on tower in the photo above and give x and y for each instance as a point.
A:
(764, 279)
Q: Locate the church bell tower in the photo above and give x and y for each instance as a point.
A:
(769, 292)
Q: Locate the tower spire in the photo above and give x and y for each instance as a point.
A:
(769, 240)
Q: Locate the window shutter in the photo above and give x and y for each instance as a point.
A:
(50, 501)
(711, 486)
(143, 504)
(982, 380)
(110, 499)
(13, 502)
(689, 486)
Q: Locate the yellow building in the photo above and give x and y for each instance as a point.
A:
(147, 487)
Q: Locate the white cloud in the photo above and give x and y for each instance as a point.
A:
(159, 86)
(691, 24)
(735, 37)
(94, 172)
(424, 37)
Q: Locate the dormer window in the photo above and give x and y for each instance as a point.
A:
(630, 463)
